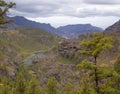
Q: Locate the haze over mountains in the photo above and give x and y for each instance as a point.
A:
(69, 31)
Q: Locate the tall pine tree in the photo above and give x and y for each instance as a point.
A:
(93, 47)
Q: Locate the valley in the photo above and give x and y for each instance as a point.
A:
(37, 58)
(35, 53)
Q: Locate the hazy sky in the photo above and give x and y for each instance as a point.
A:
(100, 13)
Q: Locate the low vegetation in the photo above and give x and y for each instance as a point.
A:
(53, 76)
(87, 65)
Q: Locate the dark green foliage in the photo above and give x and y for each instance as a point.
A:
(68, 89)
(93, 47)
(85, 64)
(117, 65)
(20, 84)
(24, 83)
(51, 87)
(117, 69)
(4, 8)
(33, 87)
(96, 45)
(5, 87)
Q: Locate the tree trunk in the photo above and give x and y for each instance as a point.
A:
(118, 81)
(96, 76)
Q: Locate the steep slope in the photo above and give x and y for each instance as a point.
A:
(19, 43)
(72, 31)
(114, 30)
(41, 37)
(114, 27)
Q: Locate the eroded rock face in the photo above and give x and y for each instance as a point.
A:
(68, 48)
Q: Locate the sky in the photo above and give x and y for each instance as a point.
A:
(101, 13)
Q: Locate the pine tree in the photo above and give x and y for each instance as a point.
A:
(68, 89)
(34, 87)
(86, 83)
(4, 9)
(20, 84)
(5, 87)
(51, 86)
(93, 47)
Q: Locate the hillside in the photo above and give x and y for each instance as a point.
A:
(16, 45)
(63, 67)
(114, 30)
(70, 47)
(62, 63)
(37, 58)
(114, 27)
(40, 37)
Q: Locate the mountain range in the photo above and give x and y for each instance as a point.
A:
(69, 31)
(72, 31)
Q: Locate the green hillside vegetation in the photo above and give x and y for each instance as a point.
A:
(87, 65)
(94, 74)
(17, 45)
(41, 39)
(53, 76)
(27, 40)
(68, 49)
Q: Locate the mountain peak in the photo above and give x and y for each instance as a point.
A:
(19, 17)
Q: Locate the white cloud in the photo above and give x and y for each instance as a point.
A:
(77, 8)
(98, 10)
(60, 12)
(104, 2)
(65, 20)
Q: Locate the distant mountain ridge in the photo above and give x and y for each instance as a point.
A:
(21, 21)
(69, 31)
(114, 27)
(77, 29)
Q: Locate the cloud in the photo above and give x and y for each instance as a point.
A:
(65, 20)
(98, 10)
(104, 2)
(62, 12)
(74, 8)
(36, 7)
